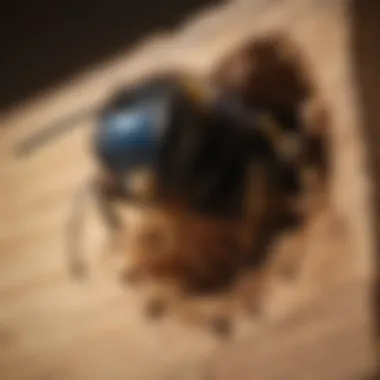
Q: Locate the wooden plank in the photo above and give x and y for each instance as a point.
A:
(329, 339)
(51, 328)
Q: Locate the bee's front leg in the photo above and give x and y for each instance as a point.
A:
(107, 192)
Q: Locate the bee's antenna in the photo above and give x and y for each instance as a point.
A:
(52, 130)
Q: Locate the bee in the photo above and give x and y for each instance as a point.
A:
(229, 149)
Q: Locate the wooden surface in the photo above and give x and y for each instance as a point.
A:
(327, 339)
(54, 328)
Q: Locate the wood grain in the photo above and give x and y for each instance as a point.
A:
(54, 328)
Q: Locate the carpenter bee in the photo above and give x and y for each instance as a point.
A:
(201, 146)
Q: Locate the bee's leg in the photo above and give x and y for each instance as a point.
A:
(316, 119)
(106, 193)
(313, 174)
(301, 202)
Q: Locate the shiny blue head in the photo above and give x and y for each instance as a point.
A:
(129, 138)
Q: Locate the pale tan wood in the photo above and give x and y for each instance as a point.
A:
(328, 339)
(53, 328)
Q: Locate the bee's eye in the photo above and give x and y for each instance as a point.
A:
(127, 139)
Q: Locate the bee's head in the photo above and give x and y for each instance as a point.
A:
(126, 139)
(131, 131)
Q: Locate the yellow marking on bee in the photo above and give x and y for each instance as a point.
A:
(271, 128)
(142, 182)
(195, 89)
(287, 146)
